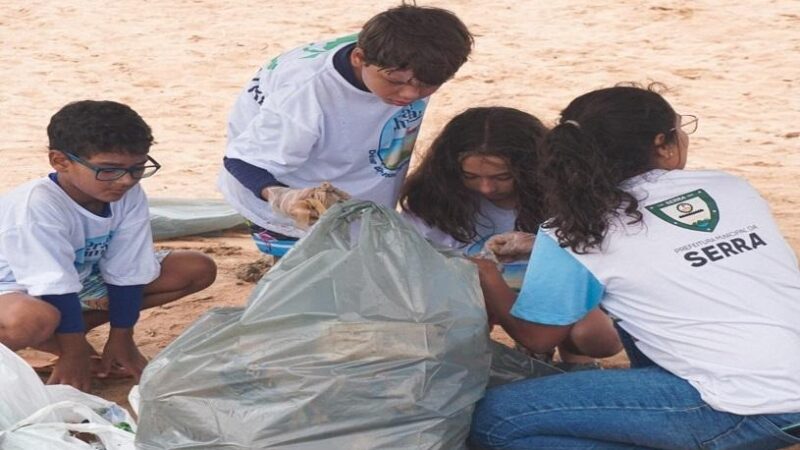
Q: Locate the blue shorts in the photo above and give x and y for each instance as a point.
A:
(270, 242)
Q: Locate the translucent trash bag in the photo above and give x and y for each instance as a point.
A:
(171, 217)
(362, 337)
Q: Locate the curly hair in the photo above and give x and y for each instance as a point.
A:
(85, 128)
(432, 42)
(435, 191)
(602, 139)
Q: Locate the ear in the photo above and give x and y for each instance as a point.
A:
(666, 156)
(357, 58)
(58, 160)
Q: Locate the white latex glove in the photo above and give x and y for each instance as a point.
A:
(304, 206)
(511, 246)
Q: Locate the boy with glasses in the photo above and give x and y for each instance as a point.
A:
(76, 249)
(344, 112)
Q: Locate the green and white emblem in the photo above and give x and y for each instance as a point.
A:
(695, 211)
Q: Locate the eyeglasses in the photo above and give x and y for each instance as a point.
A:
(115, 173)
(688, 123)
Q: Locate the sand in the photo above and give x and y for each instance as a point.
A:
(181, 63)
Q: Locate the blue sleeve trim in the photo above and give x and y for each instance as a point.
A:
(253, 178)
(124, 304)
(69, 305)
(557, 289)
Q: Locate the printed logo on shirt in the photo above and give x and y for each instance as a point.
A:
(695, 211)
(91, 252)
(721, 246)
(316, 49)
(397, 140)
(311, 51)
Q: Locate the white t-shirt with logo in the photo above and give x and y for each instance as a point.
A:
(490, 220)
(49, 243)
(706, 284)
(303, 122)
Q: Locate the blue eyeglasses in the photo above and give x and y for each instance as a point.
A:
(115, 173)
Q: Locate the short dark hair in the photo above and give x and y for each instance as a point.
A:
(431, 42)
(435, 191)
(87, 127)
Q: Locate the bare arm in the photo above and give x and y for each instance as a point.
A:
(500, 298)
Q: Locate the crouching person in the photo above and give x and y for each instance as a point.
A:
(76, 249)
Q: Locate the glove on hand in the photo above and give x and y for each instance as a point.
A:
(304, 206)
(511, 246)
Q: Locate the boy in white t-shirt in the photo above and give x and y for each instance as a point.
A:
(76, 249)
(345, 111)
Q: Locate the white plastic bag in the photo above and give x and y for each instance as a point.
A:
(35, 416)
(22, 393)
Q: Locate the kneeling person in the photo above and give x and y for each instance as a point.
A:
(76, 249)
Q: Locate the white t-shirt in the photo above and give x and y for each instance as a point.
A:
(490, 220)
(49, 243)
(706, 284)
(303, 122)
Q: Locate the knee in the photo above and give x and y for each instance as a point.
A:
(486, 420)
(28, 323)
(597, 339)
(204, 271)
(197, 269)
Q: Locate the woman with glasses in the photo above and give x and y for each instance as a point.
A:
(704, 288)
(76, 249)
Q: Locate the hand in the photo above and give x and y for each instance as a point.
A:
(305, 206)
(511, 246)
(486, 267)
(497, 296)
(121, 351)
(73, 366)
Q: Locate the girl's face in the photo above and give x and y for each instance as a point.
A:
(491, 177)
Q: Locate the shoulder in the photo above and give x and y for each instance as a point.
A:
(35, 200)
(693, 177)
(430, 232)
(132, 205)
(659, 185)
(300, 71)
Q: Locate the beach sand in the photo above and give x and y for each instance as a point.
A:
(180, 64)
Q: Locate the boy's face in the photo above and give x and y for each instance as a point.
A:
(395, 87)
(78, 177)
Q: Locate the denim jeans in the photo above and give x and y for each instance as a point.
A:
(645, 407)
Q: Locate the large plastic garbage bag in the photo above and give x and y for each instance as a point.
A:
(171, 218)
(362, 337)
(35, 416)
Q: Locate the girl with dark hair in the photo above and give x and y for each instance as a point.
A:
(691, 264)
(476, 187)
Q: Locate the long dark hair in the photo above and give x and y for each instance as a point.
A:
(602, 139)
(435, 191)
